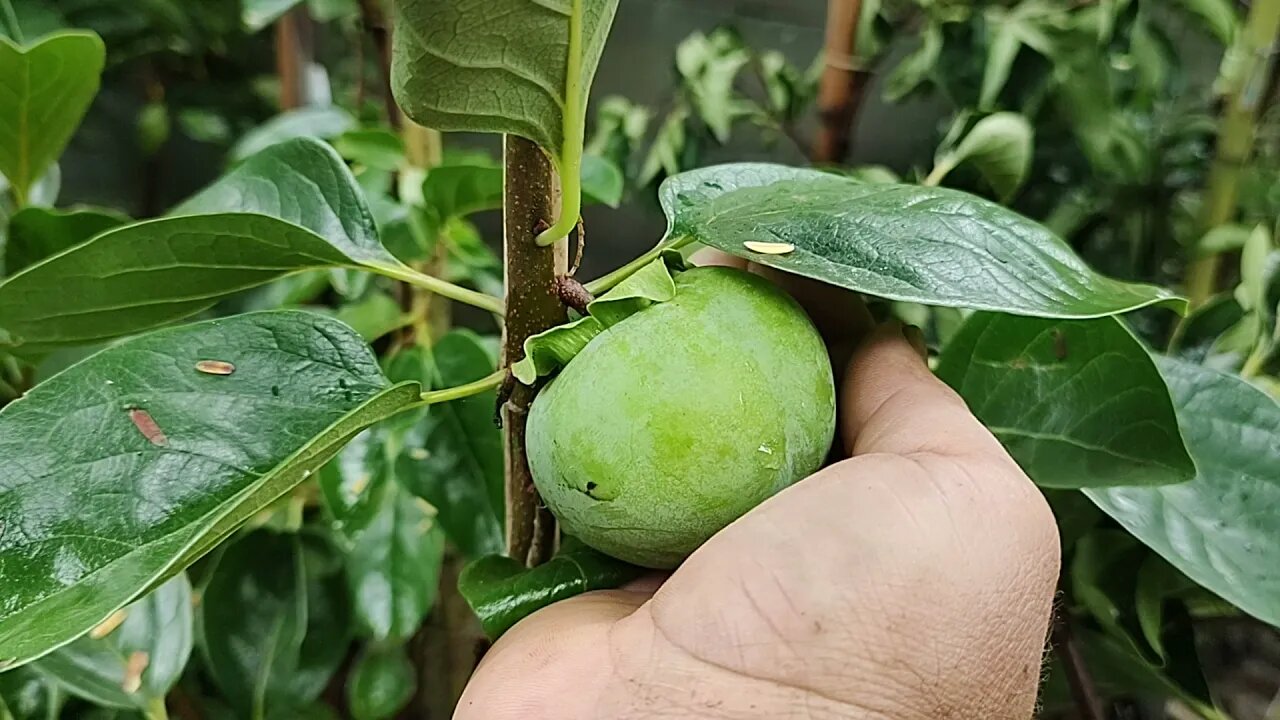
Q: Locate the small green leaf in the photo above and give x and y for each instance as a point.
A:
(374, 316)
(272, 630)
(1076, 403)
(454, 456)
(137, 662)
(1220, 16)
(1197, 337)
(36, 233)
(516, 50)
(257, 14)
(47, 88)
(916, 67)
(393, 567)
(550, 350)
(999, 147)
(710, 65)
(502, 591)
(26, 694)
(372, 147)
(460, 190)
(353, 483)
(381, 684)
(602, 181)
(1223, 528)
(933, 246)
(321, 123)
(292, 208)
(302, 386)
(1222, 239)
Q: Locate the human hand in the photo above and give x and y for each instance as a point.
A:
(912, 580)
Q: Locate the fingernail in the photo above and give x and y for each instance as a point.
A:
(915, 336)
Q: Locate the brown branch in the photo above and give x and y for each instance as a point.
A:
(532, 307)
(446, 649)
(378, 25)
(295, 51)
(841, 87)
(1083, 689)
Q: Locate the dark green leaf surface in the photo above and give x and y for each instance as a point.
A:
(292, 208)
(454, 456)
(159, 627)
(503, 591)
(199, 453)
(1223, 528)
(493, 65)
(272, 631)
(35, 233)
(393, 567)
(28, 695)
(928, 245)
(353, 483)
(1078, 403)
(457, 190)
(45, 90)
(381, 683)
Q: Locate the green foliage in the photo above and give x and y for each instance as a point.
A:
(381, 684)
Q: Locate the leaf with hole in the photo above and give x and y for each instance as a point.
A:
(303, 386)
(47, 88)
(933, 246)
(1223, 528)
(1078, 403)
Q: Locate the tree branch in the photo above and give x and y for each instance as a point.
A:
(842, 84)
(295, 51)
(532, 307)
(1083, 689)
(378, 25)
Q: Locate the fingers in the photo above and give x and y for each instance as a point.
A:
(892, 403)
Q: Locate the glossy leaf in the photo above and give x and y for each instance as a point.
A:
(393, 567)
(495, 66)
(1078, 403)
(272, 632)
(453, 458)
(999, 147)
(319, 122)
(135, 663)
(45, 90)
(354, 482)
(381, 684)
(502, 591)
(292, 208)
(36, 233)
(1223, 528)
(141, 410)
(928, 245)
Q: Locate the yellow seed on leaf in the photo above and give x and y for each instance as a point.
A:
(215, 367)
(769, 248)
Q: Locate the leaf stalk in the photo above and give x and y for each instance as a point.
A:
(569, 161)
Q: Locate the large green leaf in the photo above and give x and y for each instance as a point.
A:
(35, 233)
(454, 455)
(197, 454)
(135, 664)
(291, 208)
(1078, 403)
(273, 630)
(919, 244)
(1223, 528)
(495, 65)
(45, 90)
(393, 567)
(503, 591)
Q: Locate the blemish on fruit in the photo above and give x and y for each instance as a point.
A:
(765, 449)
(148, 427)
(108, 626)
(768, 248)
(215, 367)
(275, 390)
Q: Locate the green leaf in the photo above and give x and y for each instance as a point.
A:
(36, 233)
(916, 67)
(273, 631)
(137, 663)
(292, 208)
(1197, 336)
(1222, 239)
(999, 147)
(1078, 403)
(393, 567)
(26, 694)
(374, 316)
(1013, 28)
(317, 122)
(933, 246)
(46, 90)
(353, 483)
(257, 14)
(381, 684)
(602, 181)
(302, 386)
(454, 457)
(1220, 17)
(372, 147)
(710, 65)
(515, 50)
(1223, 528)
(503, 591)
(460, 190)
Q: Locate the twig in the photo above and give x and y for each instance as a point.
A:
(532, 307)
(378, 25)
(1083, 689)
(840, 90)
(295, 50)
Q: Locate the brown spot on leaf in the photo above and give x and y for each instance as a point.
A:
(148, 427)
(215, 367)
(1059, 345)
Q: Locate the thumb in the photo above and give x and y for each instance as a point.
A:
(890, 402)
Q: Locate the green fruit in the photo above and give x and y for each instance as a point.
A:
(674, 422)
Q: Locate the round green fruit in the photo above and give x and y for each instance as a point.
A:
(674, 422)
